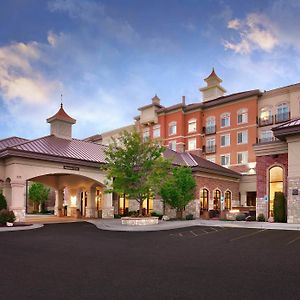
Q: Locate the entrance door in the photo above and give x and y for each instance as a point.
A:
(251, 198)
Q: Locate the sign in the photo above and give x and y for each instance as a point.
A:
(71, 168)
(266, 198)
(295, 192)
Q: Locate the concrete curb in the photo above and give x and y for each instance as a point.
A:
(21, 228)
(115, 225)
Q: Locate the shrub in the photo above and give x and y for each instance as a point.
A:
(133, 213)
(279, 208)
(213, 213)
(156, 214)
(189, 217)
(117, 216)
(261, 218)
(241, 217)
(6, 216)
(3, 203)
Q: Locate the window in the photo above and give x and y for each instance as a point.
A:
(275, 185)
(210, 125)
(123, 204)
(204, 199)
(227, 200)
(242, 137)
(211, 158)
(225, 140)
(265, 116)
(225, 160)
(148, 205)
(242, 116)
(146, 134)
(282, 112)
(156, 131)
(242, 158)
(172, 128)
(225, 120)
(192, 144)
(210, 146)
(217, 199)
(266, 136)
(192, 125)
(172, 145)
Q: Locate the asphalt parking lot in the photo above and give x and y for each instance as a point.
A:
(79, 261)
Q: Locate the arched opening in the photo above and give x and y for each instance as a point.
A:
(217, 199)
(275, 185)
(227, 200)
(204, 194)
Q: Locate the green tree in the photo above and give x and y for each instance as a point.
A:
(135, 167)
(3, 203)
(38, 194)
(178, 190)
(279, 207)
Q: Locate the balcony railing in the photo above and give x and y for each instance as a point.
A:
(210, 129)
(210, 149)
(265, 121)
(268, 139)
(282, 117)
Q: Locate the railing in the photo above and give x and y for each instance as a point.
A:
(267, 140)
(265, 121)
(282, 117)
(210, 129)
(210, 149)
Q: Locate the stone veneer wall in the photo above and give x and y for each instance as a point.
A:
(263, 164)
(293, 202)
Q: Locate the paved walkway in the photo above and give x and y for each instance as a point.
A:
(115, 224)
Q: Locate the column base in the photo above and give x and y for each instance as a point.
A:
(19, 213)
(108, 212)
(90, 212)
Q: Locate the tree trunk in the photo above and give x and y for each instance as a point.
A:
(141, 208)
(179, 213)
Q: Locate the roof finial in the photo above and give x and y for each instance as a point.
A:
(61, 101)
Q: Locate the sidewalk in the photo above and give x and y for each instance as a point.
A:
(115, 225)
(20, 228)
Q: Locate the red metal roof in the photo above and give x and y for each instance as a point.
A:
(62, 116)
(54, 146)
(11, 141)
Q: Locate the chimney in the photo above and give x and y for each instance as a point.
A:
(183, 100)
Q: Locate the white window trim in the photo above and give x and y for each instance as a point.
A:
(227, 134)
(237, 157)
(223, 115)
(156, 127)
(169, 126)
(190, 122)
(192, 139)
(172, 142)
(227, 154)
(237, 137)
(242, 111)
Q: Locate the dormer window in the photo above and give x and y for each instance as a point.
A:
(192, 125)
(172, 128)
(225, 120)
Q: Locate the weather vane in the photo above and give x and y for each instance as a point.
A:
(61, 100)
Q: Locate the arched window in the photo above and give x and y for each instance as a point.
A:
(192, 125)
(275, 185)
(242, 116)
(210, 125)
(204, 199)
(225, 120)
(172, 128)
(282, 113)
(217, 199)
(265, 116)
(227, 200)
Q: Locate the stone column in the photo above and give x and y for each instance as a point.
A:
(59, 198)
(18, 202)
(107, 206)
(72, 203)
(91, 207)
(7, 193)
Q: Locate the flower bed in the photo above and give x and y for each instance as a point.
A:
(139, 221)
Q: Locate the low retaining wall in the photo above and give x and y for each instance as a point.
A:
(139, 221)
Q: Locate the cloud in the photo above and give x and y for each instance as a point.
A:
(19, 79)
(256, 32)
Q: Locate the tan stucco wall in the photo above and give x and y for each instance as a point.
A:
(149, 115)
(107, 136)
(247, 184)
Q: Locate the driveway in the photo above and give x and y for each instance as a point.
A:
(79, 261)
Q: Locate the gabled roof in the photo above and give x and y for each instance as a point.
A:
(11, 141)
(52, 146)
(198, 163)
(61, 115)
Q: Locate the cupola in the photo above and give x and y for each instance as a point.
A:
(61, 124)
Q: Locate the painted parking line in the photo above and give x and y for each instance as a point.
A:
(294, 240)
(247, 235)
(196, 232)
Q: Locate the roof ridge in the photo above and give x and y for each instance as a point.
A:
(13, 137)
(28, 141)
(192, 158)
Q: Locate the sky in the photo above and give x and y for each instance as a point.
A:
(107, 58)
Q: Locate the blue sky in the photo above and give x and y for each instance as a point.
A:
(108, 58)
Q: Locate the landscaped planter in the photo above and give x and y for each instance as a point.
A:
(139, 221)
